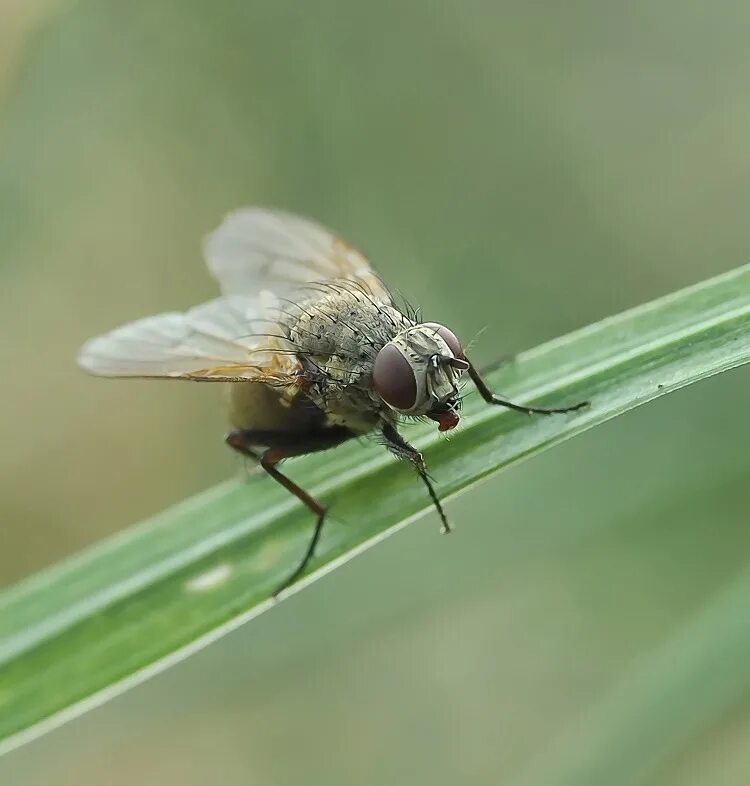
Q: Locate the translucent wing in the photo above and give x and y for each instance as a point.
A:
(257, 249)
(260, 258)
(225, 339)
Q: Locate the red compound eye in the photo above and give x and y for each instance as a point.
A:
(449, 337)
(394, 379)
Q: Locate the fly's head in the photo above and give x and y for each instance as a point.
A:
(417, 373)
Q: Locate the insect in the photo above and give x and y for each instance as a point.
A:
(312, 346)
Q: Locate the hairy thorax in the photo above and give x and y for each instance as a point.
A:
(337, 335)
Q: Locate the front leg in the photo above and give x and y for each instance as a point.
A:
(491, 398)
(402, 449)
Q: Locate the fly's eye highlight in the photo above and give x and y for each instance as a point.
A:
(394, 378)
(449, 337)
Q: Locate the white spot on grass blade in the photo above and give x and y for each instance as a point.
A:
(209, 579)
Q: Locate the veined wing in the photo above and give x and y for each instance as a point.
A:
(260, 257)
(256, 249)
(227, 339)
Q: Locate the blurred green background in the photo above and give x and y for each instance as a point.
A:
(524, 167)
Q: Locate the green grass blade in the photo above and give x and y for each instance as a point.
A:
(89, 628)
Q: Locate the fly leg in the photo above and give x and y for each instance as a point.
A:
(491, 398)
(269, 448)
(402, 449)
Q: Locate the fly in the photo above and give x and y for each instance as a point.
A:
(312, 346)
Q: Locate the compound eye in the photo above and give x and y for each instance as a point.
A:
(394, 378)
(449, 337)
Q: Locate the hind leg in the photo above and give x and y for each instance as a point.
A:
(271, 447)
